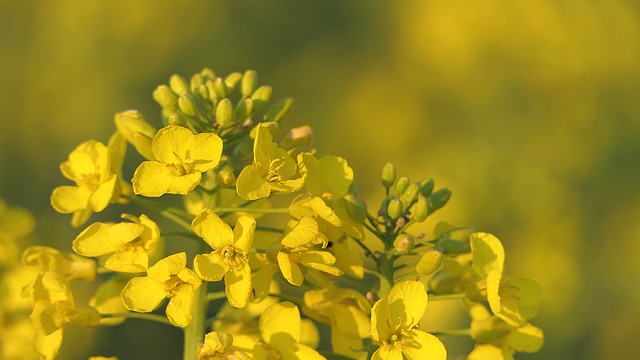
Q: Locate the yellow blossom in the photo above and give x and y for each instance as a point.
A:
(130, 243)
(181, 158)
(272, 169)
(89, 166)
(280, 328)
(69, 265)
(230, 255)
(168, 278)
(393, 325)
(218, 345)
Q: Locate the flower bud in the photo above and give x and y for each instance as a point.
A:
(187, 104)
(232, 81)
(207, 74)
(225, 177)
(420, 210)
(411, 193)
(196, 81)
(279, 111)
(438, 199)
(426, 187)
(165, 97)
(130, 122)
(297, 137)
(271, 126)
(355, 208)
(395, 210)
(249, 83)
(429, 262)
(388, 176)
(142, 143)
(260, 97)
(220, 88)
(203, 92)
(401, 185)
(178, 84)
(178, 119)
(244, 109)
(224, 113)
(404, 243)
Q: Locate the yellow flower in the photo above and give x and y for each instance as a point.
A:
(181, 157)
(393, 325)
(304, 245)
(498, 340)
(280, 328)
(230, 255)
(89, 166)
(513, 299)
(129, 243)
(271, 170)
(168, 278)
(218, 345)
(14, 223)
(71, 266)
(347, 311)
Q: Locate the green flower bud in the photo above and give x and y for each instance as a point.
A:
(404, 243)
(165, 97)
(225, 177)
(177, 118)
(429, 262)
(207, 74)
(211, 88)
(426, 187)
(271, 126)
(411, 193)
(395, 210)
(261, 97)
(221, 89)
(438, 199)
(244, 109)
(249, 83)
(131, 122)
(224, 112)
(355, 208)
(187, 104)
(401, 185)
(203, 92)
(196, 81)
(420, 210)
(279, 111)
(178, 84)
(297, 137)
(232, 81)
(388, 176)
(451, 246)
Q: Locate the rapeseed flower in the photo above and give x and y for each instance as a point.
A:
(181, 158)
(218, 345)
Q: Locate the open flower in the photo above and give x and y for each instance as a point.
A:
(218, 345)
(271, 170)
(394, 319)
(129, 243)
(230, 255)
(181, 157)
(280, 328)
(168, 278)
(89, 166)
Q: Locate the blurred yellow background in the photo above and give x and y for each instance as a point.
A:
(529, 111)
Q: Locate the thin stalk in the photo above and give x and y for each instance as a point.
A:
(446, 297)
(164, 210)
(194, 333)
(186, 234)
(135, 315)
(366, 249)
(269, 229)
(456, 332)
(216, 295)
(285, 297)
(256, 210)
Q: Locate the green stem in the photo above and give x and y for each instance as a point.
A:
(173, 214)
(103, 270)
(456, 332)
(186, 234)
(194, 333)
(446, 297)
(135, 315)
(256, 210)
(216, 295)
(269, 229)
(366, 249)
(285, 297)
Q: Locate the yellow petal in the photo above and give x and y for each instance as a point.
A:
(184, 184)
(303, 233)
(489, 352)
(171, 144)
(103, 195)
(261, 145)
(320, 260)
(325, 212)
(290, 270)
(286, 167)
(286, 186)
(301, 351)
(243, 233)
(336, 175)
(48, 345)
(488, 253)
(381, 321)
(424, 346)
(152, 179)
(100, 238)
(280, 325)
(387, 353)
(407, 302)
(250, 184)
(180, 306)
(133, 260)
(238, 284)
(526, 338)
(527, 293)
(211, 267)
(143, 294)
(170, 265)
(348, 259)
(205, 150)
(215, 232)
(67, 199)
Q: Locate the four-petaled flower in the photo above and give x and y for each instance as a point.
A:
(230, 255)
(181, 157)
(394, 319)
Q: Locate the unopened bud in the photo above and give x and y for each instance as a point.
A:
(224, 112)
(249, 83)
(426, 187)
(178, 84)
(355, 208)
(429, 262)
(404, 243)
(411, 193)
(142, 143)
(207, 74)
(225, 177)
(395, 210)
(452, 246)
(130, 122)
(187, 104)
(420, 210)
(402, 185)
(203, 92)
(244, 109)
(279, 111)
(232, 81)
(178, 119)
(297, 137)
(196, 81)
(211, 88)
(438, 199)
(165, 97)
(261, 97)
(220, 88)
(388, 176)
(271, 126)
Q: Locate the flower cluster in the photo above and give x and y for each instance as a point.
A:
(285, 230)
